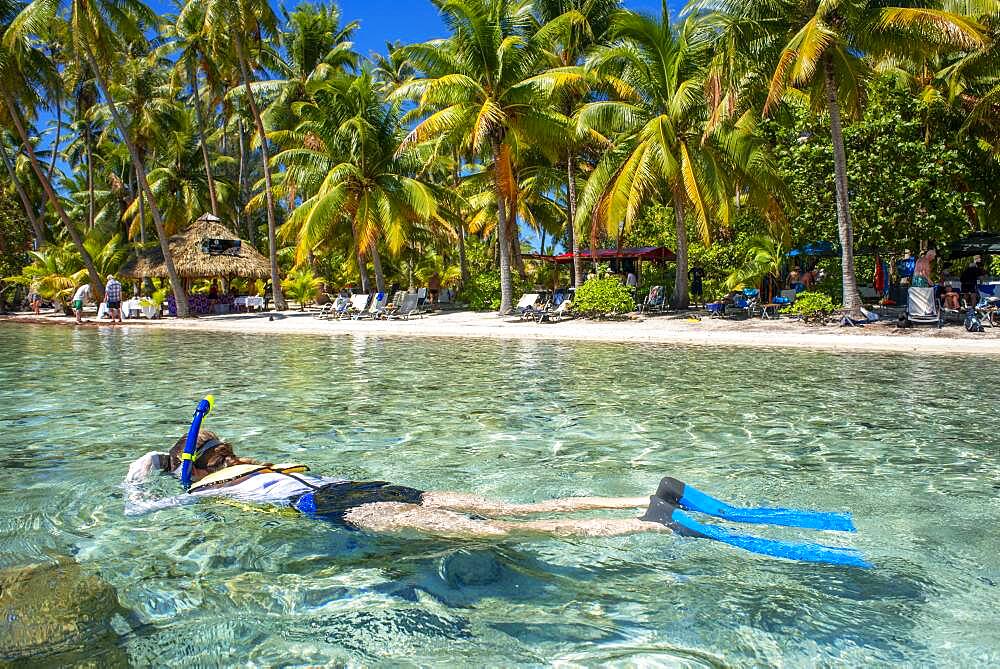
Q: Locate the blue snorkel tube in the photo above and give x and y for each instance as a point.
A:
(187, 458)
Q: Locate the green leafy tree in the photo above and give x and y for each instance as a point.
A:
(825, 51)
(659, 139)
(302, 286)
(905, 186)
(347, 164)
(474, 90)
(242, 25)
(26, 72)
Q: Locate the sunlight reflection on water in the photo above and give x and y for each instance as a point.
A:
(899, 440)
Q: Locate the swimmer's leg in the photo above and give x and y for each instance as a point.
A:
(467, 503)
(690, 498)
(393, 516)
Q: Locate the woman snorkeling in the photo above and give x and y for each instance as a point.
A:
(377, 506)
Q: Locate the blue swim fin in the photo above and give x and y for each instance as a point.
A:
(690, 498)
(682, 523)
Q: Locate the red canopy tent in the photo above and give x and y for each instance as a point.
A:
(647, 253)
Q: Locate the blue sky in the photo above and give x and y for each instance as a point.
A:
(404, 20)
(416, 20)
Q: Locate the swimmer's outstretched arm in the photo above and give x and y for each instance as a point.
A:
(467, 503)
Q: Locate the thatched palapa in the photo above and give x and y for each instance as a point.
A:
(193, 263)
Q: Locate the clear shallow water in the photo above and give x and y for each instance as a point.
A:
(901, 441)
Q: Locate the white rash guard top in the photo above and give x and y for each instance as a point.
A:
(262, 488)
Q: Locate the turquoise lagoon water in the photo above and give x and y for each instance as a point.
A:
(908, 444)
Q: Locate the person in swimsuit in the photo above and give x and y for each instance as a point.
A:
(379, 506)
(376, 506)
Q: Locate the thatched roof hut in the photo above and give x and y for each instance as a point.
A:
(192, 262)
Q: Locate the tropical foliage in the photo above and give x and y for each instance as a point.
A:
(731, 133)
(603, 297)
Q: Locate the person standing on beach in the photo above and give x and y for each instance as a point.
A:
(697, 287)
(81, 295)
(970, 280)
(922, 269)
(35, 299)
(113, 297)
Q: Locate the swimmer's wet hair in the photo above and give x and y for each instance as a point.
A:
(217, 458)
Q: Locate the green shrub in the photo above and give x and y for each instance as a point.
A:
(811, 306)
(482, 291)
(597, 298)
(302, 286)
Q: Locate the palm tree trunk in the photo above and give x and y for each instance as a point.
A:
(377, 266)
(506, 284)
(55, 145)
(180, 296)
(462, 264)
(410, 278)
(36, 225)
(681, 274)
(363, 273)
(241, 183)
(193, 76)
(272, 244)
(87, 141)
(142, 214)
(515, 242)
(96, 284)
(574, 242)
(852, 299)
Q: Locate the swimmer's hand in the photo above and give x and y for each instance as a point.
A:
(140, 470)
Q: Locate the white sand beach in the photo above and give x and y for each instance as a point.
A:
(675, 330)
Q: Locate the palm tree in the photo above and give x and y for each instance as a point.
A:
(345, 162)
(101, 30)
(974, 78)
(391, 70)
(316, 46)
(183, 189)
(659, 138)
(475, 90)
(37, 226)
(24, 70)
(575, 26)
(189, 39)
(241, 24)
(827, 49)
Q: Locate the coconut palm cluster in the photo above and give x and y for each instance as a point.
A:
(572, 118)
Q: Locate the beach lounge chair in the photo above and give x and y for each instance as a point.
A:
(525, 307)
(358, 304)
(655, 301)
(375, 308)
(554, 314)
(405, 309)
(922, 306)
(333, 309)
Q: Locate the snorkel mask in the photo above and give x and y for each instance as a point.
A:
(189, 456)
